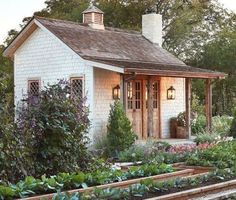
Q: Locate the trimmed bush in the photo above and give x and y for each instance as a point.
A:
(119, 130)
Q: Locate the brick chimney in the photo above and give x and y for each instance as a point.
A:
(152, 28)
(93, 16)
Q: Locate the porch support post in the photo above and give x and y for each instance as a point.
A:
(122, 100)
(208, 104)
(188, 105)
(150, 107)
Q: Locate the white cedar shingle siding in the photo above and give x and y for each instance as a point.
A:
(104, 81)
(44, 57)
(171, 108)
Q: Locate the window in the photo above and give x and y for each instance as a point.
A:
(134, 95)
(129, 95)
(137, 95)
(155, 95)
(33, 91)
(76, 87)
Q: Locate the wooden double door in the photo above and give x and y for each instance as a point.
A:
(143, 107)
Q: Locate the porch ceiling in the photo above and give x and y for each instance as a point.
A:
(160, 69)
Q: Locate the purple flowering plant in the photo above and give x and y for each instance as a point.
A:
(52, 131)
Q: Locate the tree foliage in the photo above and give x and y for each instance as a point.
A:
(220, 54)
(6, 91)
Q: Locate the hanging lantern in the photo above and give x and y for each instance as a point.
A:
(116, 92)
(171, 93)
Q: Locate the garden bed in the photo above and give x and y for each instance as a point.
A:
(180, 172)
(209, 188)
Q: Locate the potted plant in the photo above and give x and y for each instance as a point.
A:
(181, 131)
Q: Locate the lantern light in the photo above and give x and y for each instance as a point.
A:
(171, 93)
(116, 92)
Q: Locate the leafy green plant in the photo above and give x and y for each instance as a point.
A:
(6, 192)
(66, 196)
(148, 186)
(221, 156)
(205, 137)
(143, 152)
(233, 125)
(49, 136)
(133, 154)
(221, 125)
(65, 181)
(198, 125)
(119, 130)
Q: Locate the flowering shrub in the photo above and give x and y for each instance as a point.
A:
(221, 155)
(49, 136)
(185, 148)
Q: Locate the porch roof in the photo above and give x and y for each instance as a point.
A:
(159, 69)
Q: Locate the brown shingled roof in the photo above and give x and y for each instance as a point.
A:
(120, 48)
(129, 50)
(89, 42)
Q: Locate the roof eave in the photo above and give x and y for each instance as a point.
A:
(20, 38)
(178, 74)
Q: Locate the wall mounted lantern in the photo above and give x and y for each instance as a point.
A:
(171, 93)
(116, 92)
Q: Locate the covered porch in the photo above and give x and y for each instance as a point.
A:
(149, 103)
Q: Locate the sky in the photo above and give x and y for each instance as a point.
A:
(13, 11)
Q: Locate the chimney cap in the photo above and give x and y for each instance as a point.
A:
(92, 9)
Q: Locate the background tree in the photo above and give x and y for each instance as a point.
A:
(190, 27)
(220, 54)
(6, 91)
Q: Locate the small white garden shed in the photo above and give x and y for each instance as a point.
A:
(106, 64)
